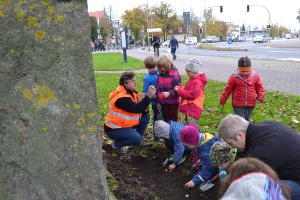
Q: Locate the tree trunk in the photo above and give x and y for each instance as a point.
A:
(50, 140)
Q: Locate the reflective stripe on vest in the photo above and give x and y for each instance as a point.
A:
(119, 118)
(124, 116)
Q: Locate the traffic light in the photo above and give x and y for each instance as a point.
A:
(221, 8)
(248, 8)
(268, 26)
(201, 30)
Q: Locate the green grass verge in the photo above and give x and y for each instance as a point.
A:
(115, 62)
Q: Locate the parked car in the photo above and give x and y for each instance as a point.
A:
(166, 43)
(191, 40)
(260, 39)
(217, 39)
(211, 39)
(203, 40)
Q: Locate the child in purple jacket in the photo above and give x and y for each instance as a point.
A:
(168, 78)
(192, 95)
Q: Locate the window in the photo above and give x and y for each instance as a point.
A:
(179, 29)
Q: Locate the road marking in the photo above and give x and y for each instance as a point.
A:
(290, 59)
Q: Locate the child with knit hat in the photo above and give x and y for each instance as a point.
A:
(191, 137)
(221, 155)
(169, 131)
(192, 94)
(245, 87)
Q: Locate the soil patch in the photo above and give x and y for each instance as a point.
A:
(140, 175)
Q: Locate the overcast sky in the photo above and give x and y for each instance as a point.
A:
(282, 12)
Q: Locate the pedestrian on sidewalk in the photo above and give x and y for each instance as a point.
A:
(173, 45)
(245, 87)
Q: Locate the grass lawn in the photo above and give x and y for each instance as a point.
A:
(115, 62)
(278, 106)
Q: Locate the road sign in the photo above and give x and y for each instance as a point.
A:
(229, 41)
(151, 30)
(186, 19)
(200, 24)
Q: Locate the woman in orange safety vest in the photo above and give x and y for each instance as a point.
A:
(124, 123)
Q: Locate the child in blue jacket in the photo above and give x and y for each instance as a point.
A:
(191, 137)
(169, 131)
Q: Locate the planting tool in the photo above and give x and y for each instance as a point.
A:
(168, 160)
(220, 115)
(207, 184)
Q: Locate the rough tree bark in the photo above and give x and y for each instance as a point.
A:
(50, 142)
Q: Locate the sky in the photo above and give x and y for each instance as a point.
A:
(235, 11)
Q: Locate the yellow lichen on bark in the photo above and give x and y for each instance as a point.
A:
(40, 34)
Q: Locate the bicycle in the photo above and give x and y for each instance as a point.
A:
(156, 52)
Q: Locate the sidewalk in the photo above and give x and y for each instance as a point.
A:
(282, 76)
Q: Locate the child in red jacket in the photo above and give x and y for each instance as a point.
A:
(192, 94)
(246, 89)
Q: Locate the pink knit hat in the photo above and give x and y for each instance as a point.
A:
(190, 135)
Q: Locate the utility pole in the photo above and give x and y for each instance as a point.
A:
(147, 25)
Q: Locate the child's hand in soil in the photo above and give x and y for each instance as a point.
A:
(189, 184)
(172, 167)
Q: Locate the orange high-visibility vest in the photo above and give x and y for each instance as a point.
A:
(119, 118)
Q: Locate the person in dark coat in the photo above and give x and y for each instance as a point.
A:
(271, 142)
(173, 45)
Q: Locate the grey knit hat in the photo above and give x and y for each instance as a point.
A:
(193, 65)
(220, 153)
(161, 129)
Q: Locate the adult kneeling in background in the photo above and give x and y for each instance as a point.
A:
(124, 122)
(271, 142)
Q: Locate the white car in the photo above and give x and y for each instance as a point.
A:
(260, 39)
(166, 43)
(191, 40)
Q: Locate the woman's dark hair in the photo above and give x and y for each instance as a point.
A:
(126, 76)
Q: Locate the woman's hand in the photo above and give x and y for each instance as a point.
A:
(151, 92)
(189, 184)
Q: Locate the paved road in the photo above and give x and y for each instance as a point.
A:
(282, 76)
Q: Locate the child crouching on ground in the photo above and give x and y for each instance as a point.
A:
(221, 155)
(191, 137)
(170, 133)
